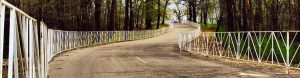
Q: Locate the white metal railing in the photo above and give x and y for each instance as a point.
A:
(59, 41)
(23, 52)
(188, 36)
(271, 47)
(27, 58)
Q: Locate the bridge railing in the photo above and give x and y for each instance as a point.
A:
(279, 48)
(186, 37)
(59, 41)
(20, 43)
(30, 49)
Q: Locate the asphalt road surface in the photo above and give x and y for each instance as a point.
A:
(149, 58)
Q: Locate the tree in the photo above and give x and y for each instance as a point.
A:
(245, 15)
(94, 15)
(258, 15)
(230, 15)
(111, 21)
(180, 10)
(148, 14)
(60, 13)
(126, 14)
(164, 12)
(131, 20)
(97, 14)
(159, 14)
(298, 14)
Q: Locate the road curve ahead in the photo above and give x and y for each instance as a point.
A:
(150, 58)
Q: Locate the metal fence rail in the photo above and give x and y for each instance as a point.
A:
(271, 47)
(29, 53)
(23, 51)
(59, 41)
(186, 38)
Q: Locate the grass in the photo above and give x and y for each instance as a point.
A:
(160, 26)
(153, 26)
(266, 48)
(209, 27)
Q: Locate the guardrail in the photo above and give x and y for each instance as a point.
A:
(59, 41)
(29, 53)
(279, 48)
(186, 38)
(23, 52)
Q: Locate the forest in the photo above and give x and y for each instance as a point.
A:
(229, 15)
(96, 15)
(246, 15)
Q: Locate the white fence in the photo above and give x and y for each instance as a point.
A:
(269, 47)
(186, 38)
(59, 41)
(27, 58)
(23, 52)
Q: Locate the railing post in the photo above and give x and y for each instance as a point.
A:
(238, 46)
(49, 44)
(288, 52)
(101, 37)
(206, 44)
(31, 49)
(190, 41)
(12, 42)
(248, 42)
(126, 36)
(259, 47)
(2, 18)
(43, 50)
(272, 50)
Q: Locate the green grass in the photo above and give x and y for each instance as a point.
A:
(208, 27)
(222, 29)
(160, 26)
(153, 26)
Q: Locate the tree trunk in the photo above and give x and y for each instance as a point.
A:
(158, 16)
(230, 18)
(111, 22)
(258, 15)
(165, 11)
(194, 11)
(219, 23)
(290, 16)
(299, 14)
(206, 12)
(190, 16)
(245, 20)
(60, 12)
(205, 17)
(97, 14)
(274, 15)
(126, 21)
(148, 14)
(250, 13)
(131, 20)
(83, 15)
(202, 15)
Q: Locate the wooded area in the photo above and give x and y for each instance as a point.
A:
(230, 15)
(95, 15)
(247, 15)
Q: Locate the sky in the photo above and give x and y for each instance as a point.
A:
(172, 6)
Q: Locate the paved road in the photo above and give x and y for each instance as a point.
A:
(150, 58)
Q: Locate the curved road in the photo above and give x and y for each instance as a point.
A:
(150, 58)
